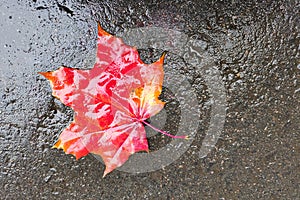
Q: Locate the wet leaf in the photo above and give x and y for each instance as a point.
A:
(111, 102)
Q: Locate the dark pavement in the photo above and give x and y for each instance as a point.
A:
(255, 48)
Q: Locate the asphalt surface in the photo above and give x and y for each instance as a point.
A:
(254, 47)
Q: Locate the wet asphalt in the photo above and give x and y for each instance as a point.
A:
(254, 46)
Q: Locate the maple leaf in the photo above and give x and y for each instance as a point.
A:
(111, 102)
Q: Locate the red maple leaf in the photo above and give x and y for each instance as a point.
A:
(111, 102)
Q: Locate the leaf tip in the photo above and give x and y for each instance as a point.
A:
(77, 157)
(57, 145)
(46, 74)
(162, 58)
(163, 55)
(107, 170)
(101, 31)
(160, 61)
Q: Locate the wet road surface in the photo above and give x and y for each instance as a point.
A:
(254, 47)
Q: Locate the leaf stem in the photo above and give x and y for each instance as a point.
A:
(164, 132)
